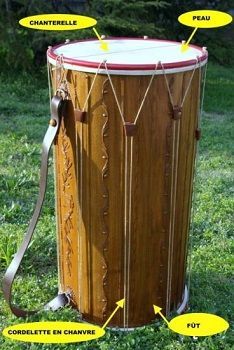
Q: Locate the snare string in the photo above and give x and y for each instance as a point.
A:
(174, 182)
(171, 199)
(80, 172)
(130, 193)
(81, 209)
(58, 66)
(126, 254)
(174, 186)
(187, 88)
(128, 208)
(57, 75)
(49, 81)
(144, 97)
(202, 82)
(114, 92)
(125, 228)
(146, 93)
(171, 219)
(190, 81)
(81, 205)
(129, 224)
(92, 85)
(174, 160)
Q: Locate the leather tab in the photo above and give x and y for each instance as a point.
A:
(177, 112)
(198, 134)
(130, 129)
(59, 301)
(80, 116)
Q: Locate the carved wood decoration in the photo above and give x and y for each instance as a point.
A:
(66, 193)
(105, 196)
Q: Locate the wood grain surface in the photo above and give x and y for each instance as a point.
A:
(106, 253)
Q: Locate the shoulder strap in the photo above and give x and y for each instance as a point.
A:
(57, 107)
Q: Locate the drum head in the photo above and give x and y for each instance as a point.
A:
(127, 56)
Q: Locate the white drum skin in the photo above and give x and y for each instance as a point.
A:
(128, 56)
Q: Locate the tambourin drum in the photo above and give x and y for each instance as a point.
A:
(124, 165)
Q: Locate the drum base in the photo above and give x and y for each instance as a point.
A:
(180, 309)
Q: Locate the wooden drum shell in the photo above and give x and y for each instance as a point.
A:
(91, 195)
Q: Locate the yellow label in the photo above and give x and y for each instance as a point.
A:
(205, 19)
(53, 332)
(198, 324)
(57, 22)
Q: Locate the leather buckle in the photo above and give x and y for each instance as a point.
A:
(130, 129)
(198, 134)
(80, 116)
(177, 112)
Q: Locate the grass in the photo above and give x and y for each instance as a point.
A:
(23, 121)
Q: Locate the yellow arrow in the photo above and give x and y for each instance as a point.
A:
(119, 304)
(104, 45)
(157, 310)
(184, 46)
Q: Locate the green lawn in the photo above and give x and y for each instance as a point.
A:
(23, 120)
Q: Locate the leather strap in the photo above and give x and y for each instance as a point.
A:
(57, 107)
